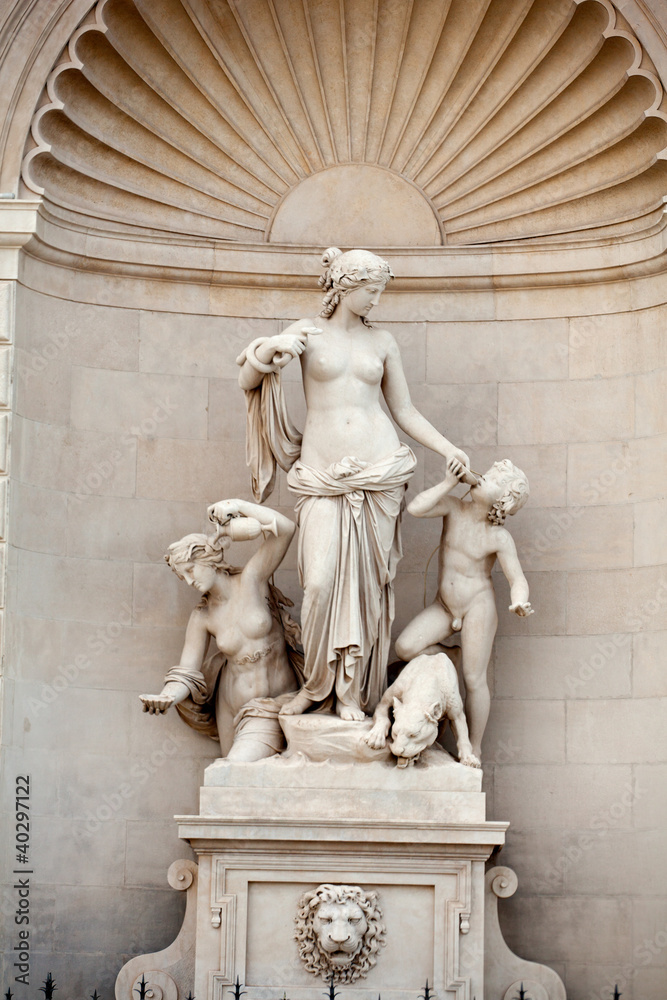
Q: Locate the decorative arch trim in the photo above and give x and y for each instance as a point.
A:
(524, 121)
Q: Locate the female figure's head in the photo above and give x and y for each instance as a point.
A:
(346, 272)
(197, 559)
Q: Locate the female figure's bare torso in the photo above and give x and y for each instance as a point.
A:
(253, 644)
(342, 379)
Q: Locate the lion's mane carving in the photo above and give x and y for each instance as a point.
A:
(339, 931)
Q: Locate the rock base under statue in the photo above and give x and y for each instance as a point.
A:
(409, 844)
(322, 736)
(301, 796)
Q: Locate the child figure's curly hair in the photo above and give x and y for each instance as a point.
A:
(516, 492)
(343, 272)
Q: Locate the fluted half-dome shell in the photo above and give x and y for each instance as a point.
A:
(417, 123)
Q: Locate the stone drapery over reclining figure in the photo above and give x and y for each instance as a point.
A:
(349, 472)
(234, 695)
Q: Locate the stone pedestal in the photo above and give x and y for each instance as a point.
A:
(417, 837)
(267, 832)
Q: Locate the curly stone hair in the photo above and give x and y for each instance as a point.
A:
(316, 960)
(515, 494)
(343, 272)
(201, 548)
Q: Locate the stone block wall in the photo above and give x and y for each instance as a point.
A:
(129, 422)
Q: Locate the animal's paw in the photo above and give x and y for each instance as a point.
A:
(376, 738)
(471, 761)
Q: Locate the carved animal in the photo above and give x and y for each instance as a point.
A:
(425, 692)
(339, 931)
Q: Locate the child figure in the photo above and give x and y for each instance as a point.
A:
(472, 538)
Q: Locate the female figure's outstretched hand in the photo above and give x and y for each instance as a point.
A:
(171, 694)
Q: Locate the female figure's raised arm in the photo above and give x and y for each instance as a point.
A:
(407, 416)
(278, 532)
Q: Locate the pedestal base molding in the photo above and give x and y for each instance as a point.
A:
(321, 859)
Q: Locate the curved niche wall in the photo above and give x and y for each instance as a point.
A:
(490, 121)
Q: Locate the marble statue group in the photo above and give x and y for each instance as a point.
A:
(349, 473)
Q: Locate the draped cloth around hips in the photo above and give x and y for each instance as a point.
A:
(349, 549)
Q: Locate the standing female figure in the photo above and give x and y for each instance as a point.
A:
(349, 472)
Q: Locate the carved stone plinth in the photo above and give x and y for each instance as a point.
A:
(270, 831)
(387, 861)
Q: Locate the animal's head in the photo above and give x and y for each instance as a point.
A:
(415, 728)
(339, 931)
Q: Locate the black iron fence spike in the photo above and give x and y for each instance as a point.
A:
(143, 987)
(49, 987)
(236, 991)
(427, 994)
(331, 993)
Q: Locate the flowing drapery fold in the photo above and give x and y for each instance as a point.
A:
(271, 437)
(349, 549)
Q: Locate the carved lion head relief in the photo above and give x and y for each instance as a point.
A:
(339, 931)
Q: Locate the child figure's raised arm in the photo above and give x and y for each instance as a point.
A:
(511, 567)
(435, 502)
